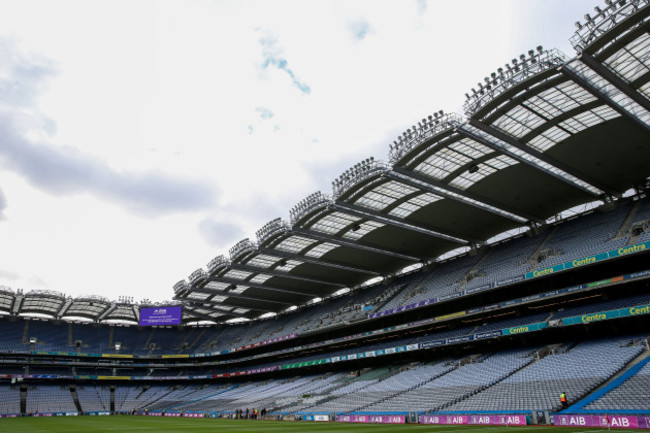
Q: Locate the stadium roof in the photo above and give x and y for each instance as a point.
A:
(541, 135)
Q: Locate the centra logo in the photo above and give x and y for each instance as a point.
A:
(160, 311)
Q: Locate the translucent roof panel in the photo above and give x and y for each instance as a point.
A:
(85, 308)
(237, 274)
(467, 179)
(263, 261)
(239, 289)
(518, 122)
(215, 285)
(588, 119)
(413, 204)
(573, 125)
(558, 99)
(6, 300)
(44, 304)
(542, 107)
(222, 307)
(645, 89)
(122, 312)
(633, 60)
(321, 249)
(294, 244)
(207, 312)
(260, 278)
(197, 296)
(608, 89)
(384, 195)
(290, 264)
(548, 138)
(335, 222)
(517, 153)
(449, 159)
(362, 230)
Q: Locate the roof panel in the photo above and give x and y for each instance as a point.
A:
(449, 159)
(294, 244)
(334, 223)
(237, 274)
(518, 122)
(414, 204)
(469, 178)
(263, 261)
(321, 249)
(633, 60)
(362, 229)
(216, 285)
(383, 195)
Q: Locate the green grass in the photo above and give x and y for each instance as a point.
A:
(142, 424)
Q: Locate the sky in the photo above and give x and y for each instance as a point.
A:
(140, 139)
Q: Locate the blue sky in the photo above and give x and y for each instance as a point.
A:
(138, 140)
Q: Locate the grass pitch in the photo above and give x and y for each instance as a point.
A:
(144, 424)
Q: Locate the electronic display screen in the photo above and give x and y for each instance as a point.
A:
(161, 316)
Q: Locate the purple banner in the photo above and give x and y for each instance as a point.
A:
(474, 419)
(498, 419)
(375, 419)
(161, 316)
(193, 415)
(9, 415)
(445, 419)
(615, 421)
(643, 421)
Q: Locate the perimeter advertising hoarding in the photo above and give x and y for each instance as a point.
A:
(161, 316)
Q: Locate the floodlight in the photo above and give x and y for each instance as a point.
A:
(588, 18)
(540, 49)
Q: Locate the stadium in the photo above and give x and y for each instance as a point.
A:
(495, 262)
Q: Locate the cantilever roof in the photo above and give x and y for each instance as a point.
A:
(542, 134)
